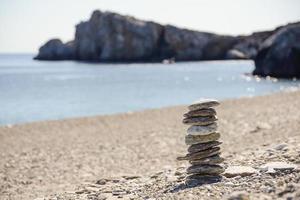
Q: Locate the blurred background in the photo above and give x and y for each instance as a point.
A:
(82, 83)
(27, 24)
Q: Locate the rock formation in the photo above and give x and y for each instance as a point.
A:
(108, 36)
(183, 44)
(279, 54)
(202, 138)
(218, 47)
(56, 50)
(111, 37)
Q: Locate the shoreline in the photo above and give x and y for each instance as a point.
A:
(10, 125)
(51, 157)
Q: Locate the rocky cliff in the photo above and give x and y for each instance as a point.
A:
(110, 37)
(55, 49)
(279, 54)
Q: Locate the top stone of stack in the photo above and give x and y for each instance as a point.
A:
(203, 103)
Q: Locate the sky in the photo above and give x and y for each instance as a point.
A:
(26, 24)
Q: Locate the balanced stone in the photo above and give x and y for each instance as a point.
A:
(195, 139)
(202, 130)
(216, 159)
(201, 154)
(201, 112)
(197, 179)
(203, 121)
(203, 103)
(203, 146)
(205, 169)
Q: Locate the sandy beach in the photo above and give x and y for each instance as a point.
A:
(60, 158)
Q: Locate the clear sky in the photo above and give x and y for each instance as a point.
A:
(26, 24)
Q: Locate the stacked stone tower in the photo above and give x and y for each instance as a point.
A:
(202, 138)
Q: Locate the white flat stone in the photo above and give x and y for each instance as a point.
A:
(233, 171)
(271, 166)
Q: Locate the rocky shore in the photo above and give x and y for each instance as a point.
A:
(111, 37)
(133, 156)
(168, 183)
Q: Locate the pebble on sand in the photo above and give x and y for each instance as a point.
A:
(271, 166)
(233, 171)
(239, 195)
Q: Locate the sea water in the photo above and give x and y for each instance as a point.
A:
(44, 90)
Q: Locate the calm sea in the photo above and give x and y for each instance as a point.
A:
(42, 90)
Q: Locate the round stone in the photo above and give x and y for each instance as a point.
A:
(216, 159)
(201, 112)
(202, 130)
(203, 146)
(202, 121)
(195, 139)
(203, 103)
(205, 169)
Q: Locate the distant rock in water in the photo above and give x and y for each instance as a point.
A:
(183, 44)
(110, 37)
(248, 45)
(218, 47)
(56, 50)
(279, 54)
